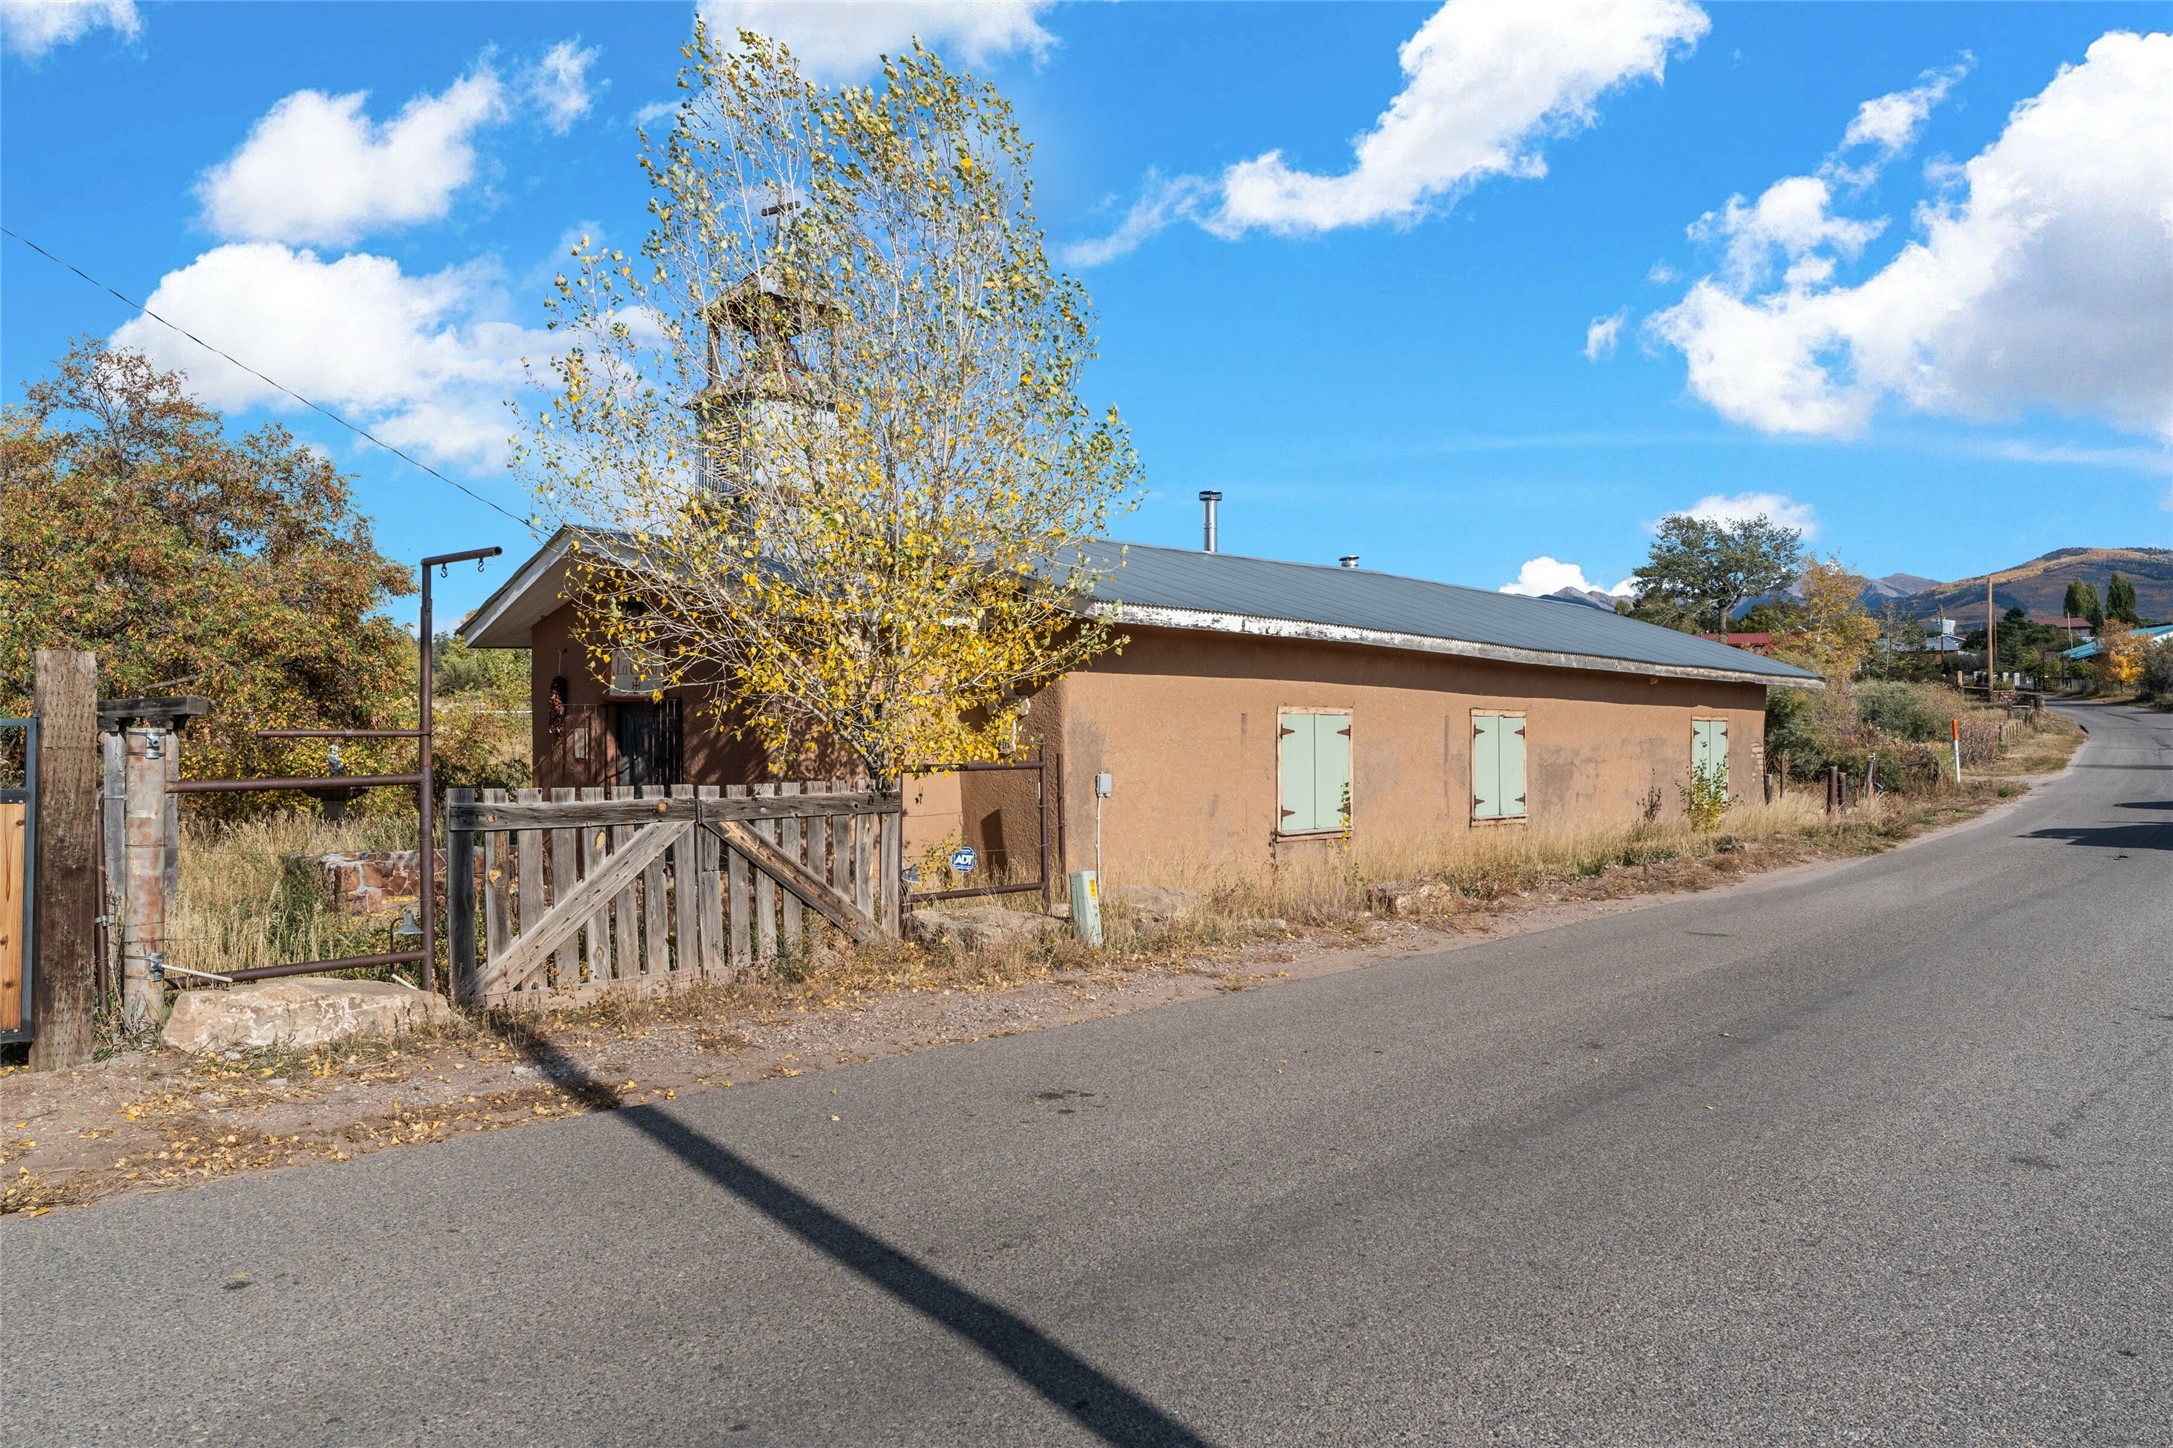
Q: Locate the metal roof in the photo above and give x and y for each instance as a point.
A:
(1146, 586)
(1162, 585)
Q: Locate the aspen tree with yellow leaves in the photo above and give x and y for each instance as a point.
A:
(1834, 634)
(819, 440)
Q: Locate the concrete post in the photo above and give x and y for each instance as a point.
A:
(143, 929)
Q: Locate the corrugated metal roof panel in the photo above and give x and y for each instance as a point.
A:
(1359, 598)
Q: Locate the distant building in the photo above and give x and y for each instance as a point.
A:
(2157, 633)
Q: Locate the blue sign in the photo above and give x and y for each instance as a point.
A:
(963, 859)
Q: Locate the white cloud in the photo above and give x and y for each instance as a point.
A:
(1601, 335)
(1742, 507)
(33, 27)
(656, 111)
(2044, 280)
(316, 169)
(1889, 125)
(558, 85)
(1162, 200)
(1486, 85)
(1792, 217)
(844, 40)
(1543, 575)
(426, 361)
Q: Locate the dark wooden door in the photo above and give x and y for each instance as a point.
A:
(647, 736)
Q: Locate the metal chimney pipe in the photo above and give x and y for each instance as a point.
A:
(1208, 498)
(1348, 560)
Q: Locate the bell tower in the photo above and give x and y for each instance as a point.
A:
(773, 393)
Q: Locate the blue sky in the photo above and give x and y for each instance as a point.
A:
(1452, 288)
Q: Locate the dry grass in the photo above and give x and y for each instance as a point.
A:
(251, 894)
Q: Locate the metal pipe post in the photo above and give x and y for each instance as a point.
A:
(426, 827)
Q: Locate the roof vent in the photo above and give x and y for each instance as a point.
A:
(1348, 560)
(1208, 498)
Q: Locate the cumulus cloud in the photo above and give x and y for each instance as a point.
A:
(30, 28)
(2041, 279)
(316, 169)
(1543, 575)
(844, 40)
(558, 85)
(1742, 507)
(1486, 85)
(1601, 335)
(426, 361)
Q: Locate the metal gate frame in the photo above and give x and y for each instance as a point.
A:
(1048, 796)
(20, 1029)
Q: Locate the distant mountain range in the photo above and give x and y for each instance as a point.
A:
(2038, 587)
(1879, 592)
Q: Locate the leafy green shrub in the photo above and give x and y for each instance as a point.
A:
(2157, 680)
(1899, 710)
(1706, 800)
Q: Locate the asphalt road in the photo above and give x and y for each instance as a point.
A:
(1881, 1153)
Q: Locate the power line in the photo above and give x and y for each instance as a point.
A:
(361, 432)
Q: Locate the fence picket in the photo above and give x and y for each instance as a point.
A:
(460, 963)
(742, 897)
(818, 839)
(786, 835)
(655, 913)
(565, 875)
(497, 887)
(710, 890)
(765, 889)
(626, 942)
(598, 932)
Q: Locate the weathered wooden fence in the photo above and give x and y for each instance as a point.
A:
(632, 890)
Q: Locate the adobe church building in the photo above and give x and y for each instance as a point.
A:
(1257, 708)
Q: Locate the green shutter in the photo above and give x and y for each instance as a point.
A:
(1512, 766)
(1296, 763)
(1486, 767)
(1314, 760)
(1331, 768)
(1709, 745)
(1497, 766)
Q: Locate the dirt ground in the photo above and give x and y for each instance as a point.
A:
(153, 1121)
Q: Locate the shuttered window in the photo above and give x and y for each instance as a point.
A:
(1497, 766)
(1314, 760)
(1709, 745)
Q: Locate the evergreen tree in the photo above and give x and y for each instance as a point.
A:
(2120, 600)
(2081, 598)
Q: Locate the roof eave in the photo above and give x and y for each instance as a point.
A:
(496, 622)
(1154, 616)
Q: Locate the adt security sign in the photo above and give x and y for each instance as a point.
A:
(963, 859)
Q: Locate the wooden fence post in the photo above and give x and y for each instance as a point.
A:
(459, 900)
(63, 981)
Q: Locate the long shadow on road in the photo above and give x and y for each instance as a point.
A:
(1096, 1401)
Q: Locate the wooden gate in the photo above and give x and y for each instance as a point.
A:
(18, 873)
(640, 889)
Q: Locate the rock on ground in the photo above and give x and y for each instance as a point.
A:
(979, 927)
(1407, 897)
(298, 1014)
(1156, 905)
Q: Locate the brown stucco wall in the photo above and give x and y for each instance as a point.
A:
(578, 752)
(1187, 725)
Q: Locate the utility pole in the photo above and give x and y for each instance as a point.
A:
(1991, 640)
